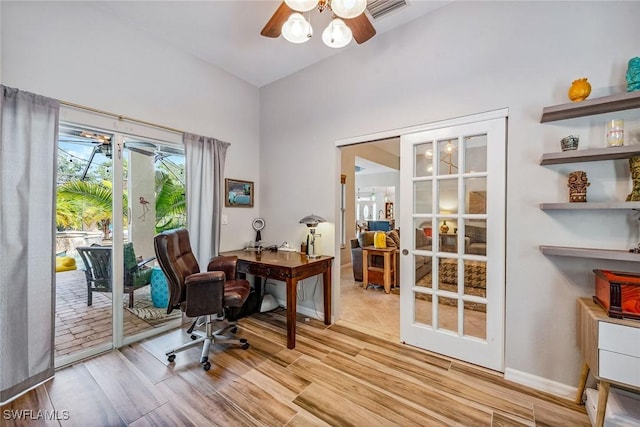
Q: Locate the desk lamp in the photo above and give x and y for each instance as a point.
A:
(312, 222)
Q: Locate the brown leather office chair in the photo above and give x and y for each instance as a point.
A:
(203, 295)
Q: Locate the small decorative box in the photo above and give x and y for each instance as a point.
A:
(618, 293)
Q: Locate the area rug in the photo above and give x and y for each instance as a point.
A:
(144, 309)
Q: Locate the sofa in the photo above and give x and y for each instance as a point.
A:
(365, 238)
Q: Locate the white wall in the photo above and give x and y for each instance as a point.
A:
(76, 53)
(465, 58)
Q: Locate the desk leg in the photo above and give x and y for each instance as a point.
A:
(387, 272)
(603, 396)
(292, 285)
(365, 268)
(326, 282)
(583, 382)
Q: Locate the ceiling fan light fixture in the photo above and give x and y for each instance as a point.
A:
(301, 5)
(348, 9)
(297, 29)
(337, 34)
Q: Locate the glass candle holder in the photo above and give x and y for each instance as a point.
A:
(615, 133)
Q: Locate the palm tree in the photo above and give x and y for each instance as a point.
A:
(93, 201)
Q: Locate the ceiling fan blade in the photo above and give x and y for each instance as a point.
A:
(274, 26)
(361, 28)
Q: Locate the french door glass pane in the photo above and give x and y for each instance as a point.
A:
(422, 304)
(475, 195)
(422, 197)
(448, 314)
(424, 157)
(475, 320)
(475, 153)
(447, 157)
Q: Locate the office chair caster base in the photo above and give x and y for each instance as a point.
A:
(234, 330)
(194, 336)
(206, 366)
(171, 358)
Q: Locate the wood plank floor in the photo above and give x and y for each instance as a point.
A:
(335, 376)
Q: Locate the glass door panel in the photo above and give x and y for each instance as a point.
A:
(153, 201)
(84, 298)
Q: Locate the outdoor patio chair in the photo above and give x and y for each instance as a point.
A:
(97, 262)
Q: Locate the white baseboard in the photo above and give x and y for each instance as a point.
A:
(539, 383)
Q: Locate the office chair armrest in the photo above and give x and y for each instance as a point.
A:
(205, 293)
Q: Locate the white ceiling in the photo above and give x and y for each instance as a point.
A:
(227, 33)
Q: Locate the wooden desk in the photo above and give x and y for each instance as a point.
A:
(388, 272)
(610, 349)
(289, 267)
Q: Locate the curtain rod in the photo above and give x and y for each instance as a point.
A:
(119, 117)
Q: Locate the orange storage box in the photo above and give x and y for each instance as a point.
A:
(618, 293)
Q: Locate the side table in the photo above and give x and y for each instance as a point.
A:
(610, 349)
(387, 275)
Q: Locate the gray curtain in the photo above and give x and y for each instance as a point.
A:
(28, 135)
(204, 168)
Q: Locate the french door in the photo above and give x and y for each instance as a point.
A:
(452, 179)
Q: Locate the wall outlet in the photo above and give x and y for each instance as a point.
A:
(225, 219)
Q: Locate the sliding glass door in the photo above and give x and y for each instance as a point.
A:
(109, 289)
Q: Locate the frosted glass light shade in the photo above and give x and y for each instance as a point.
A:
(337, 34)
(297, 29)
(348, 8)
(301, 5)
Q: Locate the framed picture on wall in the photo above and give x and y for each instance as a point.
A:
(238, 193)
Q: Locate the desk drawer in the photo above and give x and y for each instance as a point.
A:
(264, 271)
(619, 367)
(619, 338)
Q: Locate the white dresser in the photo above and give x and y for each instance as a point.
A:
(610, 349)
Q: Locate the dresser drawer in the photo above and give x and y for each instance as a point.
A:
(619, 367)
(619, 339)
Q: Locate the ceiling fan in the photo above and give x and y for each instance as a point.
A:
(349, 22)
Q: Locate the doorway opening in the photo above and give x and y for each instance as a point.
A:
(372, 182)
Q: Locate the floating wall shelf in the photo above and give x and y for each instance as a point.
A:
(590, 205)
(590, 155)
(611, 254)
(605, 104)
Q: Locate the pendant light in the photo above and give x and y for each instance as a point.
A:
(301, 5)
(297, 29)
(337, 34)
(348, 8)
